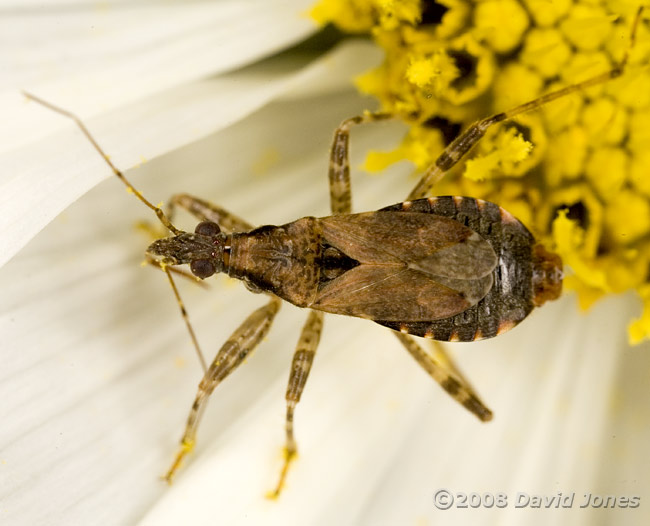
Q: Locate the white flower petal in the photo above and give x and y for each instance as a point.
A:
(378, 438)
(91, 403)
(159, 106)
(43, 177)
(94, 403)
(128, 50)
(98, 372)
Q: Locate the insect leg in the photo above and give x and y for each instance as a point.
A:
(448, 379)
(206, 211)
(464, 142)
(236, 349)
(300, 367)
(339, 168)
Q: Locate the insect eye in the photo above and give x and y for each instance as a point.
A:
(203, 268)
(207, 228)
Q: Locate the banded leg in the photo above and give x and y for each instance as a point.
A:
(237, 348)
(464, 142)
(341, 203)
(206, 211)
(300, 367)
(339, 168)
(203, 210)
(448, 378)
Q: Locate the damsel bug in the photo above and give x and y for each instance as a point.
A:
(443, 268)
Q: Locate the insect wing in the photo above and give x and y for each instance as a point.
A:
(393, 293)
(413, 266)
(435, 244)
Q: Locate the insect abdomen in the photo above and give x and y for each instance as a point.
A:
(510, 299)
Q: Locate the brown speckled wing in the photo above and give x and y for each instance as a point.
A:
(413, 267)
(431, 243)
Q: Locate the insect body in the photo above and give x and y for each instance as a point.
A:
(446, 268)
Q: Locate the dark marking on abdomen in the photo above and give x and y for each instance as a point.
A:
(510, 299)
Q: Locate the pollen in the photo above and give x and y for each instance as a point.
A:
(575, 170)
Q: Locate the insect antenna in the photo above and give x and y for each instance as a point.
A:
(157, 210)
(186, 318)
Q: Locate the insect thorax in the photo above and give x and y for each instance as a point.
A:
(280, 259)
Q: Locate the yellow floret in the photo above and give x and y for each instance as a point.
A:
(639, 329)
(605, 122)
(627, 217)
(462, 60)
(606, 169)
(545, 50)
(588, 26)
(547, 13)
(500, 23)
(436, 70)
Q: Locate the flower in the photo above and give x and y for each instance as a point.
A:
(98, 372)
(455, 61)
